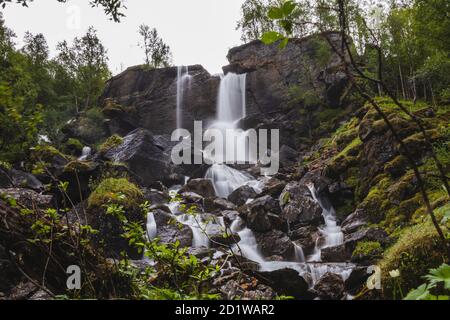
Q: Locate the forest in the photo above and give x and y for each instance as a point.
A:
(359, 209)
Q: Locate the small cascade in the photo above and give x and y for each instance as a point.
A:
(85, 153)
(183, 83)
(226, 179)
(247, 246)
(298, 253)
(332, 232)
(199, 229)
(151, 226)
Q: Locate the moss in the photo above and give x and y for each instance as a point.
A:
(367, 248)
(74, 145)
(404, 188)
(46, 153)
(417, 250)
(79, 166)
(119, 191)
(397, 166)
(111, 142)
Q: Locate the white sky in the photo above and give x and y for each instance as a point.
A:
(197, 31)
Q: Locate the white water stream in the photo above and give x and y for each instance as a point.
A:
(183, 83)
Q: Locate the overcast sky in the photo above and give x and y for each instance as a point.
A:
(197, 31)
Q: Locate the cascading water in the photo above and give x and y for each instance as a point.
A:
(183, 82)
(231, 107)
(151, 226)
(85, 153)
(332, 232)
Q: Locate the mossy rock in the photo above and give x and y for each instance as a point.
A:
(73, 146)
(403, 189)
(112, 142)
(119, 191)
(47, 153)
(367, 251)
(79, 166)
(417, 250)
(397, 166)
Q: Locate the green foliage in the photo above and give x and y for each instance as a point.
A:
(440, 275)
(367, 248)
(417, 250)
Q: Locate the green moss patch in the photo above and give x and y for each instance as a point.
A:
(118, 191)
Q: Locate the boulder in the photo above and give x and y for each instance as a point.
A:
(298, 205)
(305, 237)
(335, 254)
(28, 198)
(22, 179)
(147, 156)
(155, 197)
(357, 279)
(367, 234)
(168, 230)
(203, 187)
(275, 242)
(286, 282)
(354, 221)
(330, 287)
(263, 214)
(218, 204)
(273, 187)
(242, 194)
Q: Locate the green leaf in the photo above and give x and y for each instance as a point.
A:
(275, 13)
(421, 293)
(288, 7)
(271, 37)
(283, 43)
(441, 274)
(286, 25)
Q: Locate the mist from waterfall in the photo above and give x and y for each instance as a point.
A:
(183, 83)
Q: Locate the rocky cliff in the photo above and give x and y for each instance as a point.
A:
(279, 84)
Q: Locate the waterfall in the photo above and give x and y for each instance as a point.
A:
(151, 226)
(183, 79)
(85, 153)
(331, 231)
(231, 107)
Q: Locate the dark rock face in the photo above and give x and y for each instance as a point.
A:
(5, 179)
(286, 282)
(272, 70)
(241, 194)
(330, 287)
(147, 156)
(275, 243)
(169, 232)
(298, 205)
(203, 187)
(148, 99)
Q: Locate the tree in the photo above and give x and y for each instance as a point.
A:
(84, 64)
(157, 53)
(112, 8)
